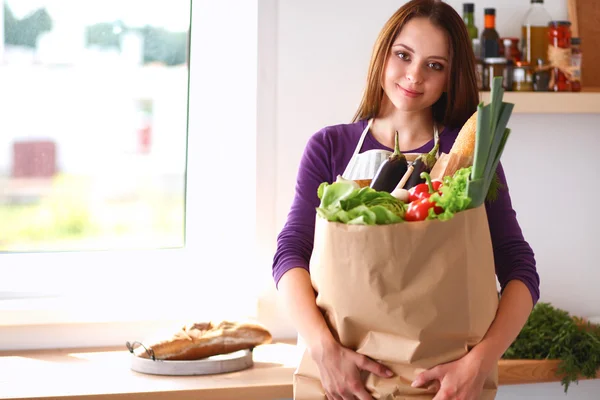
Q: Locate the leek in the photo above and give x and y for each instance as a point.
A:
(490, 139)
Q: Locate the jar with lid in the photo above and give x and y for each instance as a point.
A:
(522, 77)
(576, 64)
(494, 67)
(510, 45)
(541, 77)
(559, 54)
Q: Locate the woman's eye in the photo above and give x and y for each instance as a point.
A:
(436, 66)
(403, 56)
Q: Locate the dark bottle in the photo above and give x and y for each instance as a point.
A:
(469, 18)
(489, 37)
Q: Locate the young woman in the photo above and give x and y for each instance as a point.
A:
(422, 83)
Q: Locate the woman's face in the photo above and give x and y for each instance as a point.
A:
(416, 71)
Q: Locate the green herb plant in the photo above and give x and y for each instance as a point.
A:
(553, 334)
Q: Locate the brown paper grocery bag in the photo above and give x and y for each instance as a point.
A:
(411, 296)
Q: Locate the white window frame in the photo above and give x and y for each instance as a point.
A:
(107, 297)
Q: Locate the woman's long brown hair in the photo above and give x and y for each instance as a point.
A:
(460, 101)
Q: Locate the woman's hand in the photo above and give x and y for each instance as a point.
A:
(462, 379)
(340, 368)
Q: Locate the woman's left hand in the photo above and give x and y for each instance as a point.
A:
(462, 379)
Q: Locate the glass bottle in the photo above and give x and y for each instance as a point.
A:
(477, 47)
(534, 32)
(510, 64)
(576, 64)
(479, 68)
(489, 36)
(469, 18)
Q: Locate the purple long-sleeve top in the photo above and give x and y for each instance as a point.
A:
(326, 156)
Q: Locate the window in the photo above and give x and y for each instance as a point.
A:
(96, 133)
(130, 151)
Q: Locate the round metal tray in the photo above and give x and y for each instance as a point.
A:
(220, 364)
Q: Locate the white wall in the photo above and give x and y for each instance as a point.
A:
(323, 49)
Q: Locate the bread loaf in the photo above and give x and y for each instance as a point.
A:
(201, 340)
(464, 145)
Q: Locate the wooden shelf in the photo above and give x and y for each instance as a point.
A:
(519, 372)
(585, 102)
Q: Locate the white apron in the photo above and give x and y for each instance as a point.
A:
(365, 165)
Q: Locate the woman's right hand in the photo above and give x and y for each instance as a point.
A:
(340, 368)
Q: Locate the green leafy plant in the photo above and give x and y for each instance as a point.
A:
(553, 334)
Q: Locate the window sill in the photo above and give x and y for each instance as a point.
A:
(105, 373)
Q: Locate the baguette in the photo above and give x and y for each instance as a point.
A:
(202, 340)
(464, 145)
(461, 153)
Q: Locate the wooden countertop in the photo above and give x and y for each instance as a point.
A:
(105, 373)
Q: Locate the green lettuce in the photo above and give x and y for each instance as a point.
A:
(342, 202)
(454, 197)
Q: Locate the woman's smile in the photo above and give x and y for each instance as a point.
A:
(408, 92)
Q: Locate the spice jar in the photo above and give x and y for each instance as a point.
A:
(512, 45)
(576, 64)
(522, 77)
(541, 77)
(559, 54)
(493, 67)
